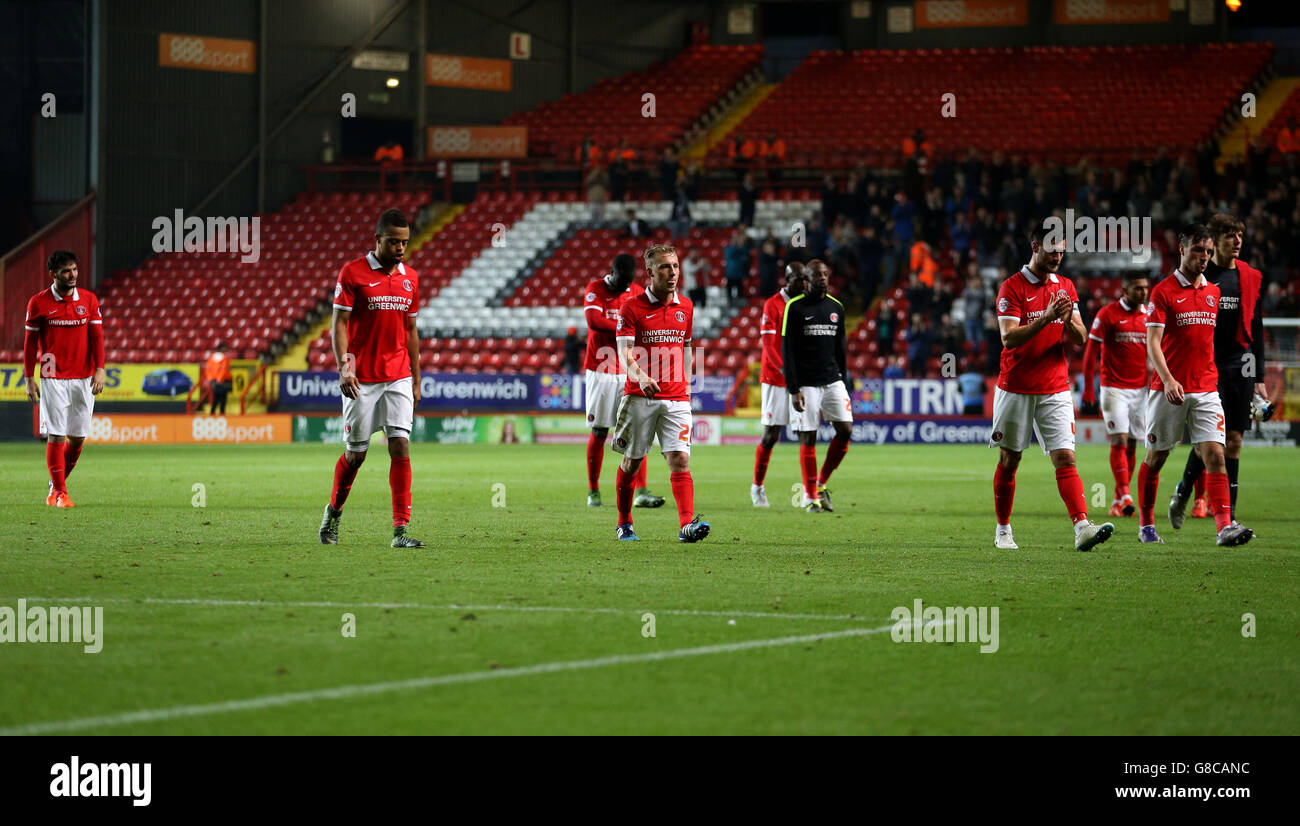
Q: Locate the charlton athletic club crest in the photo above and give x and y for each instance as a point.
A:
(997, 435)
(681, 317)
(1061, 294)
(835, 318)
(591, 297)
(1209, 299)
(1003, 305)
(81, 310)
(406, 284)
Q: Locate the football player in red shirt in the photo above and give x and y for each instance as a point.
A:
(64, 324)
(1038, 313)
(378, 353)
(604, 380)
(654, 347)
(776, 399)
(1238, 355)
(1119, 332)
(1184, 394)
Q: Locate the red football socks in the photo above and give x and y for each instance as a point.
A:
(1004, 493)
(808, 467)
(399, 479)
(1200, 486)
(1148, 484)
(638, 479)
(623, 492)
(762, 455)
(684, 492)
(1070, 486)
(71, 453)
(834, 454)
(595, 455)
(1216, 485)
(343, 476)
(1119, 468)
(1131, 454)
(54, 452)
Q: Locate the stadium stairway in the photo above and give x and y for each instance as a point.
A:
(730, 118)
(1272, 100)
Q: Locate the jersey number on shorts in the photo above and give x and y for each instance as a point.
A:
(1220, 424)
(685, 435)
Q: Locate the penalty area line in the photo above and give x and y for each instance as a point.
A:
(372, 689)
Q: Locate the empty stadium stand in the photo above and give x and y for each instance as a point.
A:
(685, 89)
(855, 106)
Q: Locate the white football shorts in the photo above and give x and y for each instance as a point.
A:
(776, 405)
(1017, 415)
(831, 401)
(66, 407)
(381, 405)
(604, 391)
(640, 420)
(1125, 410)
(1202, 413)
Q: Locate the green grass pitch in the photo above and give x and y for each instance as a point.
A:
(528, 618)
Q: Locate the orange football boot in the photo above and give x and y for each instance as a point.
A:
(1199, 509)
(62, 500)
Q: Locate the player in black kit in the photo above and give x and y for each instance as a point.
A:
(1238, 353)
(817, 377)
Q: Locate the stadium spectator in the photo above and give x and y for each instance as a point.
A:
(737, 257)
(215, 378)
(830, 199)
(680, 218)
(390, 154)
(973, 390)
(894, 368)
(870, 252)
(960, 234)
(741, 153)
(588, 153)
(919, 343)
(949, 338)
(695, 277)
(902, 214)
(748, 198)
(918, 294)
(974, 299)
(635, 227)
(773, 151)
(1288, 138)
(885, 322)
(769, 263)
(620, 161)
(941, 300)
(597, 192)
(691, 176)
(573, 350)
(923, 264)
(668, 169)
(916, 142)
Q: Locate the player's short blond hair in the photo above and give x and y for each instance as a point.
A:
(1222, 223)
(655, 250)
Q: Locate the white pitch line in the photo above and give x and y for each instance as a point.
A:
(371, 689)
(679, 612)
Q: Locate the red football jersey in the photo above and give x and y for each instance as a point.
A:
(1039, 365)
(380, 304)
(602, 349)
(769, 332)
(1121, 331)
(659, 334)
(64, 328)
(1188, 313)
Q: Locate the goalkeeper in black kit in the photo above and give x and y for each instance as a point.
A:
(816, 374)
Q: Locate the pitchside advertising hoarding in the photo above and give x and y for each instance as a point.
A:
(319, 390)
(137, 382)
(439, 429)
